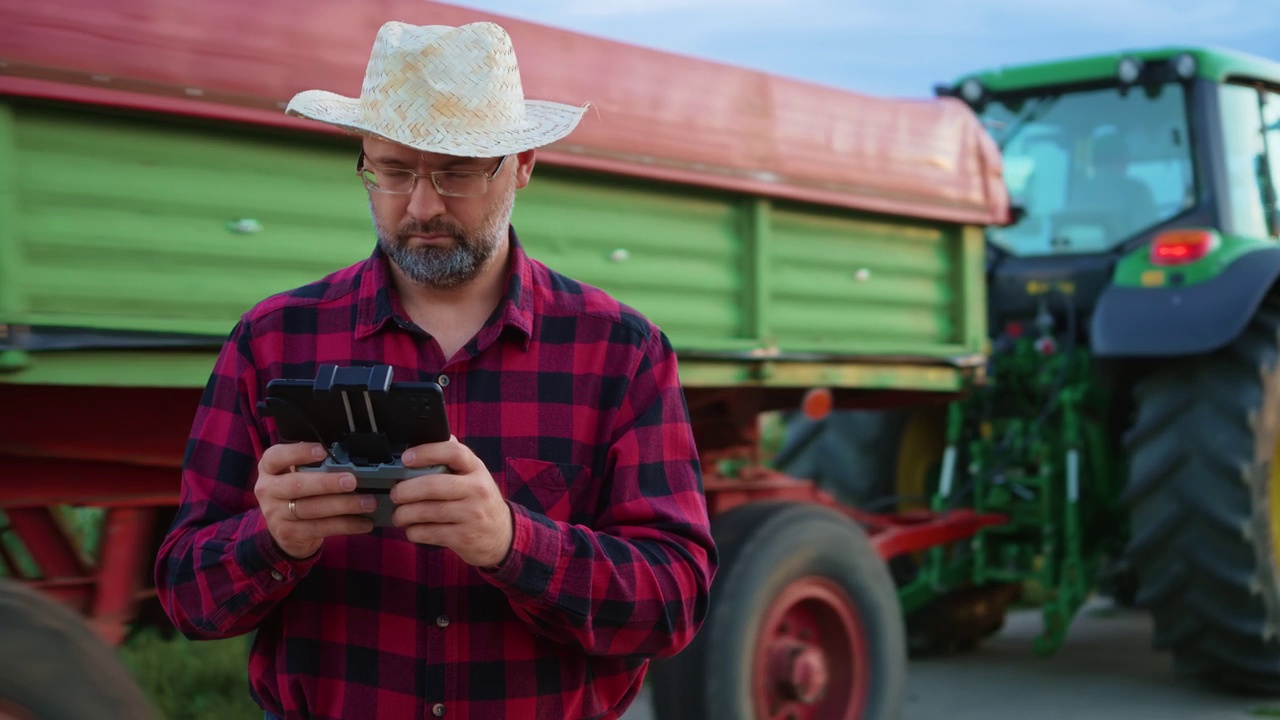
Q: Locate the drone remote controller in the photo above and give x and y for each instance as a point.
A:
(376, 480)
(365, 421)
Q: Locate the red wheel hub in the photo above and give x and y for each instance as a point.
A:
(811, 657)
(801, 669)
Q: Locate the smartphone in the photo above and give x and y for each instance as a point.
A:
(373, 422)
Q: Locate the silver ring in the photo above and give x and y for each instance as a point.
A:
(293, 509)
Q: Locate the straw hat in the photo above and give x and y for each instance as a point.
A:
(448, 90)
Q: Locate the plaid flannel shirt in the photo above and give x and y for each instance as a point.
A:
(572, 402)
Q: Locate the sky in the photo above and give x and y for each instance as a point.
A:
(902, 48)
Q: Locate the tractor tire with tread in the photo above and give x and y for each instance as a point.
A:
(1203, 504)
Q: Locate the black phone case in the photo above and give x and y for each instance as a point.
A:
(407, 414)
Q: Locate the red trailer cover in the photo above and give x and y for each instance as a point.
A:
(656, 114)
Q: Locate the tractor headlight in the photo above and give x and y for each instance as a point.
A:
(972, 91)
(1129, 70)
(1184, 65)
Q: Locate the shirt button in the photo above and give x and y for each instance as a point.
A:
(276, 574)
(438, 709)
(442, 621)
(443, 380)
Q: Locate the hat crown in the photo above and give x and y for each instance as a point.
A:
(438, 80)
(443, 89)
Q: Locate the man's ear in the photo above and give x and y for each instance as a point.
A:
(524, 167)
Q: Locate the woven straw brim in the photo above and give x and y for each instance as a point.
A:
(545, 122)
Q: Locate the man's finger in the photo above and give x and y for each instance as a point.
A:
(435, 513)
(310, 484)
(341, 525)
(277, 459)
(436, 486)
(450, 453)
(442, 535)
(326, 506)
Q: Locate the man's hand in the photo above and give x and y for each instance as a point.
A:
(302, 509)
(462, 510)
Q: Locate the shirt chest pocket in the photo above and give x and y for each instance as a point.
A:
(561, 491)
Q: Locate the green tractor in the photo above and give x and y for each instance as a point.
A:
(1131, 412)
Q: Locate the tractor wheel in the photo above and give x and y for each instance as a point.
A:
(886, 461)
(1204, 497)
(53, 667)
(804, 625)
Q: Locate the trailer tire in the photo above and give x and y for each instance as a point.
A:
(803, 616)
(882, 460)
(1204, 498)
(53, 667)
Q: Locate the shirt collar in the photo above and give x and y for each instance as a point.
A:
(378, 303)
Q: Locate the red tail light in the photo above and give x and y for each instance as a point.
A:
(1179, 247)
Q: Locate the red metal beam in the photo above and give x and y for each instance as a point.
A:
(108, 593)
(48, 543)
(54, 422)
(124, 560)
(725, 494)
(75, 592)
(939, 529)
(892, 534)
(38, 483)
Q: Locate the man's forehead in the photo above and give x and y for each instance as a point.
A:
(385, 151)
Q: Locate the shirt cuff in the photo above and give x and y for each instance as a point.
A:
(269, 568)
(535, 553)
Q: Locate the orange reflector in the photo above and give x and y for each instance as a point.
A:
(1179, 247)
(817, 403)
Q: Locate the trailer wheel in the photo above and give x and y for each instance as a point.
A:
(886, 460)
(53, 667)
(1204, 496)
(804, 624)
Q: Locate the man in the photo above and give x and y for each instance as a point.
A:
(567, 543)
(1124, 202)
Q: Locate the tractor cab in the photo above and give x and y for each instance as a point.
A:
(1107, 157)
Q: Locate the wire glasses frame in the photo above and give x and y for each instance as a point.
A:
(451, 183)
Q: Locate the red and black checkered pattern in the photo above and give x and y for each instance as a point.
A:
(571, 399)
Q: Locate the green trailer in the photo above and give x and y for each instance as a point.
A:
(1131, 421)
(803, 247)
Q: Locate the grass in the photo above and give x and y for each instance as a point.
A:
(187, 680)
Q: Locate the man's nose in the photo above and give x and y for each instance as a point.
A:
(425, 202)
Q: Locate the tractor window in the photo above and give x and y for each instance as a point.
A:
(1092, 168)
(1252, 142)
(1271, 121)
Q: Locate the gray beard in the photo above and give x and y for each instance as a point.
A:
(445, 268)
(438, 267)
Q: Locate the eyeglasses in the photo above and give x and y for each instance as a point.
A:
(453, 183)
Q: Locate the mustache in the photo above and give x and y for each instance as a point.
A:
(434, 226)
